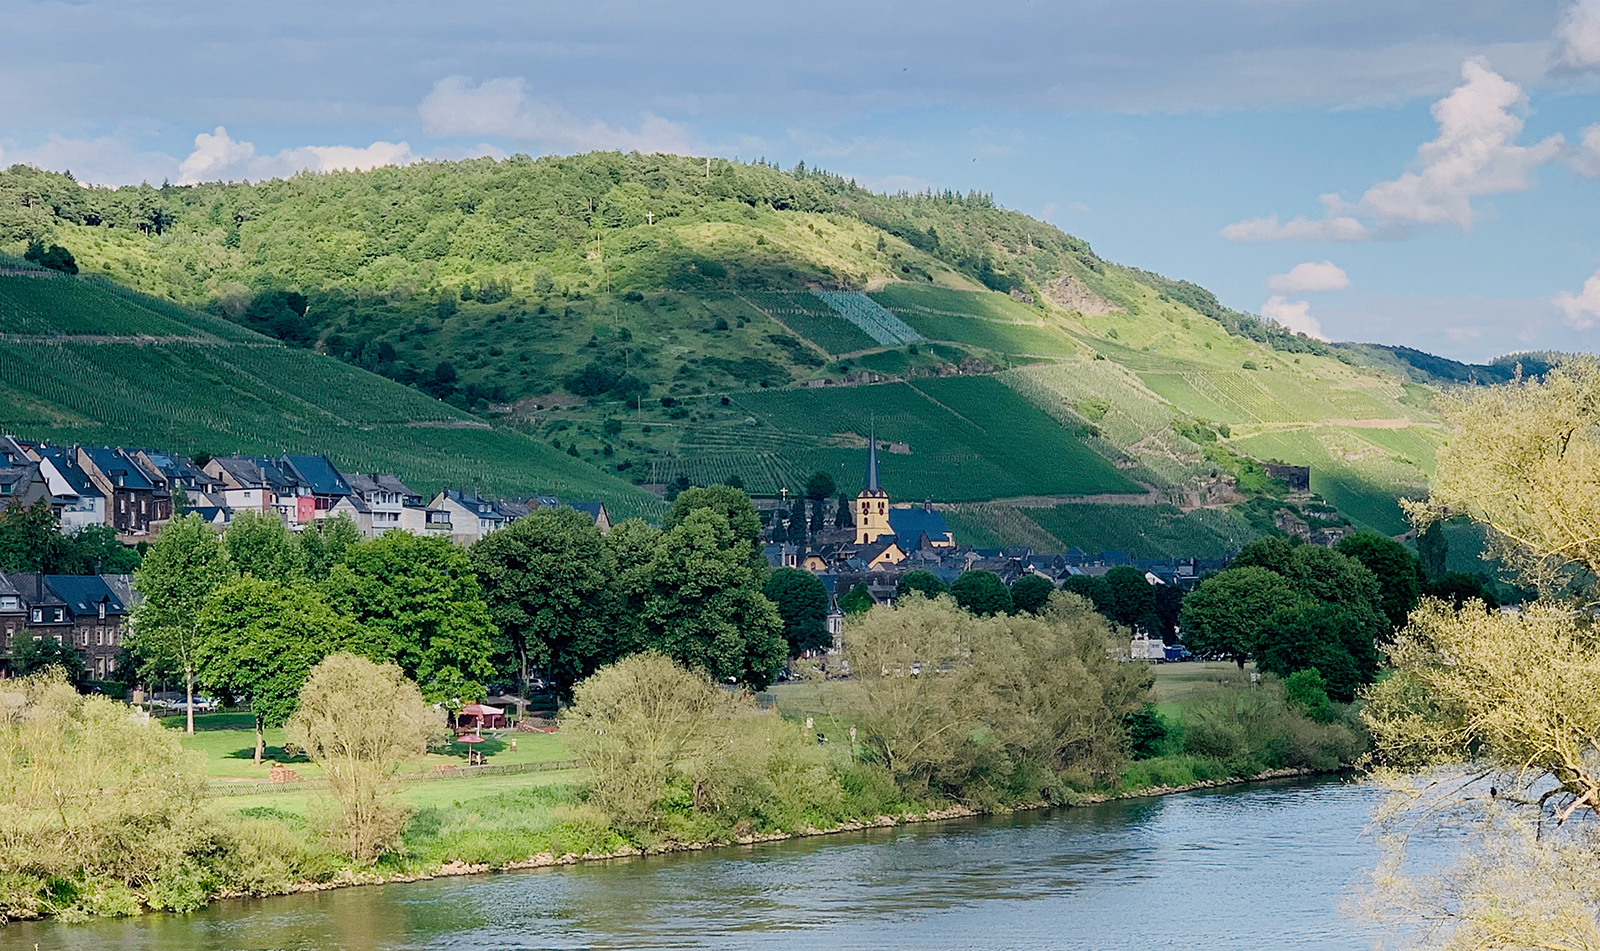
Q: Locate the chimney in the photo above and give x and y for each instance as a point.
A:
(927, 506)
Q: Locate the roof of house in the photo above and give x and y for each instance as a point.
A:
(66, 464)
(83, 593)
(354, 501)
(467, 500)
(32, 588)
(7, 588)
(318, 474)
(591, 509)
(14, 480)
(118, 468)
(362, 483)
(913, 522)
(276, 476)
(243, 470)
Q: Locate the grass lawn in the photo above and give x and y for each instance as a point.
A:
(420, 795)
(1177, 681)
(228, 741)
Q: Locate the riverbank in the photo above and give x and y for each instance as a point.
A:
(349, 878)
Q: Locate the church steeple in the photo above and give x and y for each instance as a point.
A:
(872, 459)
(872, 505)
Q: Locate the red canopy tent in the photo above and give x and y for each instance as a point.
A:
(482, 716)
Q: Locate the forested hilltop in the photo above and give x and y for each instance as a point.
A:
(656, 316)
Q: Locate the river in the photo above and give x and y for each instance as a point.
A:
(1265, 866)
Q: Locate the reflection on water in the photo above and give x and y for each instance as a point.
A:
(1264, 867)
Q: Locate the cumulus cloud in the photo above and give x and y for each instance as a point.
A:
(1585, 156)
(218, 157)
(502, 108)
(1292, 315)
(1579, 35)
(1474, 155)
(1310, 278)
(1335, 225)
(1581, 310)
(107, 160)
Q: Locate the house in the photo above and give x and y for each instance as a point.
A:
(317, 475)
(467, 516)
(288, 496)
(23, 483)
(244, 487)
(75, 498)
(98, 618)
(178, 472)
(384, 497)
(44, 614)
(920, 527)
(13, 615)
(131, 497)
(596, 511)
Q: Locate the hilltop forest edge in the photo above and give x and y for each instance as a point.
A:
(428, 274)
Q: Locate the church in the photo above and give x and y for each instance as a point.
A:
(879, 520)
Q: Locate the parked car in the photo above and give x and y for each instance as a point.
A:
(201, 705)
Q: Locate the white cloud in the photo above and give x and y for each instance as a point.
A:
(1309, 278)
(1585, 156)
(1293, 315)
(1579, 35)
(108, 160)
(502, 108)
(218, 157)
(1582, 310)
(1474, 155)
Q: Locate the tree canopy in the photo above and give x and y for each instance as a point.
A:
(802, 603)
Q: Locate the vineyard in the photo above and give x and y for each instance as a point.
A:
(802, 313)
(984, 305)
(1145, 531)
(254, 398)
(990, 525)
(980, 319)
(866, 313)
(957, 439)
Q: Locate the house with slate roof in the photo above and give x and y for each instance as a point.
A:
(131, 497)
(469, 516)
(98, 616)
(75, 498)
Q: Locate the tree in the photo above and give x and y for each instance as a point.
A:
(1398, 572)
(361, 722)
(925, 583)
(1094, 589)
(1225, 614)
(260, 546)
(180, 570)
(802, 603)
(969, 707)
(1433, 550)
(1132, 601)
(548, 580)
(1522, 459)
(324, 543)
(29, 538)
(1168, 608)
(1458, 587)
(691, 593)
(1031, 593)
(1335, 640)
(797, 523)
(842, 516)
(420, 598)
(258, 640)
(857, 600)
(1271, 552)
(982, 593)
(819, 486)
(96, 549)
(54, 257)
(32, 655)
(732, 504)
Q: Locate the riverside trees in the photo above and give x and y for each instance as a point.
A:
(1492, 718)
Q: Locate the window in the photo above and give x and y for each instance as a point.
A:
(60, 615)
(99, 637)
(142, 506)
(102, 610)
(38, 616)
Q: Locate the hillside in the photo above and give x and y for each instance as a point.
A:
(85, 361)
(667, 319)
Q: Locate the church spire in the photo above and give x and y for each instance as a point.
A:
(872, 458)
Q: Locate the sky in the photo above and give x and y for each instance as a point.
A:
(1414, 172)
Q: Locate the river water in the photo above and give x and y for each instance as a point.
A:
(1258, 867)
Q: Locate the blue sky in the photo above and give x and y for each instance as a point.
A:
(1193, 138)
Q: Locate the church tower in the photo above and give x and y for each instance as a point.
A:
(872, 505)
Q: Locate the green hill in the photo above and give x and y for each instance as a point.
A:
(83, 361)
(667, 320)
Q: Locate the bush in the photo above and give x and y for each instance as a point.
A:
(361, 722)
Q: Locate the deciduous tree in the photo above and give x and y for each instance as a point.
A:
(181, 569)
(802, 603)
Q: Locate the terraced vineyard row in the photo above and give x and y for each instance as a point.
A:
(869, 315)
(812, 319)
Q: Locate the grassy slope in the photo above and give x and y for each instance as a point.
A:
(189, 389)
(708, 306)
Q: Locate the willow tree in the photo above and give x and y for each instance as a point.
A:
(1493, 719)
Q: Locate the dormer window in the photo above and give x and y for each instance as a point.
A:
(102, 610)
(38, 615)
